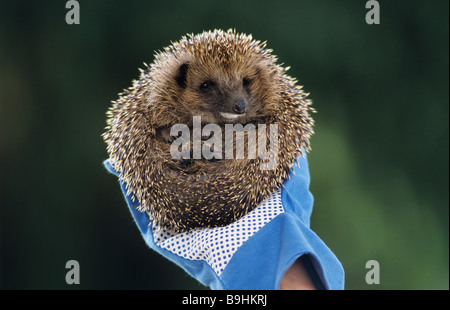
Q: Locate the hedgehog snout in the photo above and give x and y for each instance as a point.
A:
(240, 106)
(235, 108)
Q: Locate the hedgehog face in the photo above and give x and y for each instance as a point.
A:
(222, 94)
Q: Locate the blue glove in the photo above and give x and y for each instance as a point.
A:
(255, 251)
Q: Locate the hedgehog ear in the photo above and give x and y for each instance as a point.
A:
(182, 74)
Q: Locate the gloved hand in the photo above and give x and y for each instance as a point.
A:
(255, 251)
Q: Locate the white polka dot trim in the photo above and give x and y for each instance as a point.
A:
(217, 246)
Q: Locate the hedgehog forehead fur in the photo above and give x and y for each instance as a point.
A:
(206, 194)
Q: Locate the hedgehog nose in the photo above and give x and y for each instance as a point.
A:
(240, 106)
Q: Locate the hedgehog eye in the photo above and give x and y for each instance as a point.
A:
(246, 82)
(205, 86)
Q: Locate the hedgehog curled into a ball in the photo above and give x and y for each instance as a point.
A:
(216, 77)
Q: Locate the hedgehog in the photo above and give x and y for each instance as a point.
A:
(222, 78)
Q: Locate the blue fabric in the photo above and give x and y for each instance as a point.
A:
(263, 259)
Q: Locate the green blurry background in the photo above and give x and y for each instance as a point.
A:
(379, 162)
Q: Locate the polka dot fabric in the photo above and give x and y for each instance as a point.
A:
(216, 246)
